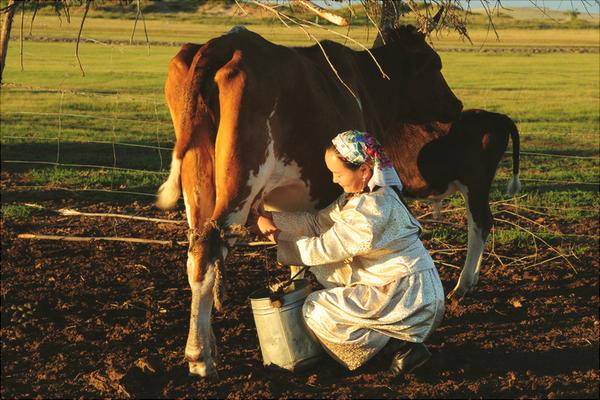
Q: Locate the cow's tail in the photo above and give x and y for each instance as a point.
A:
(514, 186)
(169, 192)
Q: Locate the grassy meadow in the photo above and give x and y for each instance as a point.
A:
(111, 130)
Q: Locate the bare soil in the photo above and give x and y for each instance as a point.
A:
(110, 320)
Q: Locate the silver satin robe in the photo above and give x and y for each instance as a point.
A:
(379, 279)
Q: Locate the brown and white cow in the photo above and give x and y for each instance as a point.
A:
(252, 120)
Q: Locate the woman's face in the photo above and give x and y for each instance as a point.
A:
(352, 181)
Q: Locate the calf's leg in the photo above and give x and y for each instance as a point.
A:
(480, 221)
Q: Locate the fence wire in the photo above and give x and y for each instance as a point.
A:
(154, 125)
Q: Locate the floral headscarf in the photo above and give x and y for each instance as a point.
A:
(358, 147)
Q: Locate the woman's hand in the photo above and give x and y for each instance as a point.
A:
(267, 227)
(255, 213)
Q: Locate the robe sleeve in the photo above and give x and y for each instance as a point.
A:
(354, 232)
(304, 223)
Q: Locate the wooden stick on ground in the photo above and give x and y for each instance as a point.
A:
(447, 264)
(541, 240)
(68, 212)
(71, 212)
(33, 236)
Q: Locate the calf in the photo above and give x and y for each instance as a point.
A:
(437, 159)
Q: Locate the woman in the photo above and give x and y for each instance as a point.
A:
(364, 248)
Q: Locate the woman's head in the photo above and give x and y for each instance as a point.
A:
(357, 160)
(352, 177)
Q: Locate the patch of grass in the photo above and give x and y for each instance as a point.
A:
(443, 235)
(513, 236)
(581, 250)
(18, 211)
(95, 179)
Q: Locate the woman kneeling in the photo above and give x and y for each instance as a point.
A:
(380, 282)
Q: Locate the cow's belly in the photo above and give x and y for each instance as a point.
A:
(431, 195)
(289, 198)
(286, 190)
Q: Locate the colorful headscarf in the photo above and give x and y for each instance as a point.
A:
(358, 147)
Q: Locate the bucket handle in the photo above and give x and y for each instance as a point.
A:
(289, 282)
(275, 297)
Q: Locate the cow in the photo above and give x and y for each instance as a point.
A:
(252, 120)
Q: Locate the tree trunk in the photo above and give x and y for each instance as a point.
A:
(390, 12)
(6, 25)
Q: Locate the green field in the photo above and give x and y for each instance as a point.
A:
(115, 117)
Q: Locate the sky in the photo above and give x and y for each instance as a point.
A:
(593, 6)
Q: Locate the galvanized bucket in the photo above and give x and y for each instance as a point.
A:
(285, 340)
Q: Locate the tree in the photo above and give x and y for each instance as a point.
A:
(7, 19)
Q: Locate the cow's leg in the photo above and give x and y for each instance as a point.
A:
(198, 196)
(437, 209)
(201, 339)
(480, 222)
(201, 346)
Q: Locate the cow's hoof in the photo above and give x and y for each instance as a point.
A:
(199, 368)
(464, 287)
(459, 292)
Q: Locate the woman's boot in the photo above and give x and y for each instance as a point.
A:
(411, 357)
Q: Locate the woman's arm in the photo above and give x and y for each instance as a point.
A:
(353, 234)
(304, 223)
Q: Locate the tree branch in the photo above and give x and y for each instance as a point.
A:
(87, 8)
(327, 15)
(21, 34)
(35, 10)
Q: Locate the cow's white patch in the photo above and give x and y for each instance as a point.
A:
(452, 188)
(436, 199)
(169, 192)
(187, 209)
(470, 272)
(199, 343)
(514, 186)
(274, 176)
(285, 189)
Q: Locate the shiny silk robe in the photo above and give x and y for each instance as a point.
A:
(379, 279)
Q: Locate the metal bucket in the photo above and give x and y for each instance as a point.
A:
(285, 340)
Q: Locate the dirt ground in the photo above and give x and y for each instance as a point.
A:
(111, 319)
